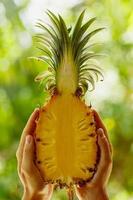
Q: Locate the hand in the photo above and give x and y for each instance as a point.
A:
(96, 189)
(34, 185)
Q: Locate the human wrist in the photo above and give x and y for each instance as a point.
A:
(96, 193)
(33, 195)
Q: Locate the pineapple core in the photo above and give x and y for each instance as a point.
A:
(66, 141)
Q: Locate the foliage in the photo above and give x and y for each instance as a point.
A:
(63, 44)
(19, 94)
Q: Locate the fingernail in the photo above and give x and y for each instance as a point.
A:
(37, 108)
(28, 139)
(100, 132)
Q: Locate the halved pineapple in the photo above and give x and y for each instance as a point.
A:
(67, 151)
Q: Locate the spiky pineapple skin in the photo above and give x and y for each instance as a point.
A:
(67, 151)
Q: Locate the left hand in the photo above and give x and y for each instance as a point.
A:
(32, 181)
(96, 188)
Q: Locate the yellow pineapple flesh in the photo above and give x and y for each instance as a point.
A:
(66, 141)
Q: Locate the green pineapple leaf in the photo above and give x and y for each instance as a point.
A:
(57, 41)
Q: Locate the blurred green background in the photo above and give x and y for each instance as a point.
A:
(19, 94)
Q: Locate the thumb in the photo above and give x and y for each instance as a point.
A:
(28, 154)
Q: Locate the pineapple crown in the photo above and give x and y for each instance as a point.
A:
(62, 40)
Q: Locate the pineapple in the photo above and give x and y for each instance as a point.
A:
(67, 151)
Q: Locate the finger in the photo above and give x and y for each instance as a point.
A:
(105, 164)
(100, 124)
(104, 146)
(28, 155)
(29, 129)
(30, 126)
(28, 168)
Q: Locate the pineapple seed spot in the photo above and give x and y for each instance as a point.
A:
(52, 182)
(38, 139)
(43, 110)
(91, 169)
(39, 162)
(44, 143)
(84, 139)
(84, 170)
(88, 114)
(81, 183)
(91, 135)
(61, 185)
(92, 123)
(88, 180)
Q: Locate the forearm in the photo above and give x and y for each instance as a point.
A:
(97, 194)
